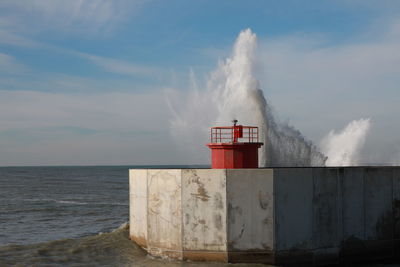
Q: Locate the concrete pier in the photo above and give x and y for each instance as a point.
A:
(274, 216)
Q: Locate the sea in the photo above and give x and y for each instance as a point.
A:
(72, 216)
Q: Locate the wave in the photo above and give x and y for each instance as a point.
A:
(103, 249)
(233, 91)
(71, 202)
(74, 202)
(111, 203)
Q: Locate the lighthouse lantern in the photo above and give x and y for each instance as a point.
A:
(234, 147)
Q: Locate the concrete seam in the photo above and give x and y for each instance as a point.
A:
(312, 214)
(341, 178)
(274, 246)
(340, 203)
(393, 222)
(226, 213)
(147, 208)
(182, 213)
(130, 201)
(364, 205)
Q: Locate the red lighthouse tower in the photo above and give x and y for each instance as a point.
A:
(234, 147)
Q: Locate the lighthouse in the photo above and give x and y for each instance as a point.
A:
(234, 147)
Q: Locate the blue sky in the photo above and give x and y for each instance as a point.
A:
(83, 82)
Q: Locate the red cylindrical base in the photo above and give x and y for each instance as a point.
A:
(234, 155)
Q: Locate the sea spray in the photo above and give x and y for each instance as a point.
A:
(344, 148)
(233, 92)
(396, 160)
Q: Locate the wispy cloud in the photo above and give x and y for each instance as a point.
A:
(79, 16)
(51, 128)
(108, 111)
(33, 79)
(9, 65)
(13, 39)
(120, 66)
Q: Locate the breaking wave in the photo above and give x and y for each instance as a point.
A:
(103, 249)
(232, 91)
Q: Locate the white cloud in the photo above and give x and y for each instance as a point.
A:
(78, 16)
(8, 65)
(16, 75)
(10, 38)
(40, 109)
(106, 128)
(120, 66)
(396, 159)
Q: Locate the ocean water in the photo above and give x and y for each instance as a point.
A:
(71, 216)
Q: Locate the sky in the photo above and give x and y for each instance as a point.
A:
(84, 82)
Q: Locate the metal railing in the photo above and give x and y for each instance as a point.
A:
(234, 134)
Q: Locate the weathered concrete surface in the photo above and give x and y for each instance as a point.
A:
(138, 206)
(326, 214)
(353, 203)
(294, 214)
(164, 228)
(250, 212)
(276, 216)
(353, 212)
(204, 214)
(294, 228)
(378, 195)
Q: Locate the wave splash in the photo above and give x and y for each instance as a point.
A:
(233, 92)
(344, 148)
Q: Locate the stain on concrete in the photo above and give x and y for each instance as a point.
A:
(218, 203)
(241, 231)
(154, 203)
(140, 240)
(232, 211)
(205, 256)
(263, 200)
(396, 217)
(187, 219)
(202, 193)
(234, 238)
(384, 226)
(218, 221)
(266, 246)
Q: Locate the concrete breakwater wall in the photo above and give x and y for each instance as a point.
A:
(275, 216)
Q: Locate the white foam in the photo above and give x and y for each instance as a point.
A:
(233, 92)
(71, 202)
(344, 148)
